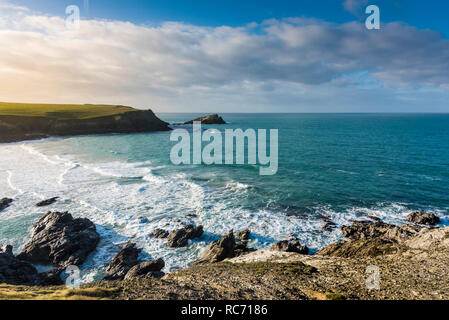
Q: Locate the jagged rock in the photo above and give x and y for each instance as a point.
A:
(369, 230)
(160, 234)
(290, 246)
(423, 218)
(179, 238)
(4, 203)
(225, 248)
(18, 272)
(211, 119)
(243, 235)
(60, 240)
(151, 268)
(47, 202)
(123, 262)
(361, 248)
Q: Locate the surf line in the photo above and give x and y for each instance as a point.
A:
(234, 147)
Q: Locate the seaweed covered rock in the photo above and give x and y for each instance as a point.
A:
(59, 239)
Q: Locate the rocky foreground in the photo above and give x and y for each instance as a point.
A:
(413, 263)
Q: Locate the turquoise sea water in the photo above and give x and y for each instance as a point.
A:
(339, 166)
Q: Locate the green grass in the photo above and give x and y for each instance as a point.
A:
(61, 111)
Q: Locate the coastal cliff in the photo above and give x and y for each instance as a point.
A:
(19, 122)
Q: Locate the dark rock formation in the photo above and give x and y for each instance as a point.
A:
(179, 238)
(368, 230)
(151, 268)
(60, 240)
(225, 248)
(422, 218)
(160, 234)
(47, 202)
(211, 119)
(18, 128)
(243, 235)
(292, 245)
(361, 248)
(18, 272)
(4, 203)
(123, 262)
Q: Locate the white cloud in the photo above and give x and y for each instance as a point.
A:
(292, 64)
(355, 7)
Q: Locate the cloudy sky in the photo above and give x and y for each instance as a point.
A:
(225, 56)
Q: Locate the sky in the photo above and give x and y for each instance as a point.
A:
(228, 56)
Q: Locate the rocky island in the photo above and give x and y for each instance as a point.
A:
(20, 121)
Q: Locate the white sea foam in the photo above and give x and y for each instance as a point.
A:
(102, 192)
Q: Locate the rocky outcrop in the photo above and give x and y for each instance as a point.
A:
(47, 202)
(59, 239)
(179, 238)
(211, 119)
(18, 272)
(227, 247)
(119, 266)
(369, 230)
(149, 269)
(292, 245)
(126, 265)
(4, 203)
(423, 218)
(18, 128)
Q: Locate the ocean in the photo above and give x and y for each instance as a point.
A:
(343, 167)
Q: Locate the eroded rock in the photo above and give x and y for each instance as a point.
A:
(292, 245)
(369, 230)
(123, 262)
(243, 235)
(59, 239)
(180, 238)
(160, 233)
(227, 247)
(151, 268)
(423, 218)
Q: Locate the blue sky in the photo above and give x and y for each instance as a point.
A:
(430, 14)
(228, 56)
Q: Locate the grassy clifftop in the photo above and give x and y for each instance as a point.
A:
(21, 121)
(61, 111)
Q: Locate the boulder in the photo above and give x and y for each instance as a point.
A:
(160, 234)
(4, 203)
(59, 239)
(47, 202)
(292, 245)
(243, 235)
(423, 218)
(123, 262)
(211, 119)
(179, 238)
(50, 278)
(151, 268)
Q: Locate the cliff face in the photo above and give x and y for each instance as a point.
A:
(17, 128)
